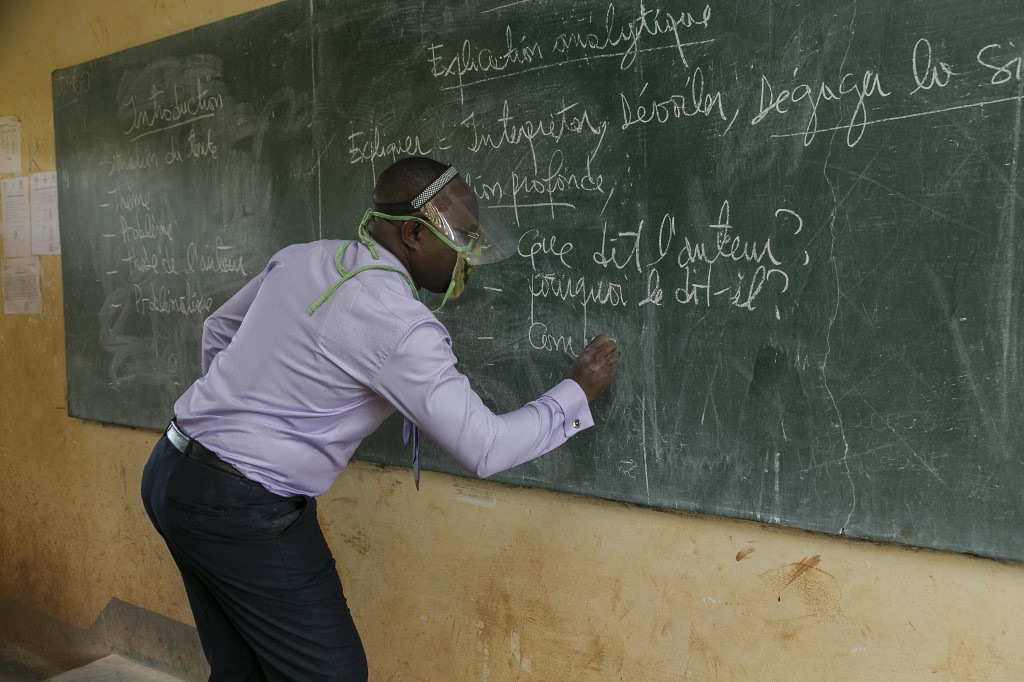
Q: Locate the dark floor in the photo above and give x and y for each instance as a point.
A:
(20, 665)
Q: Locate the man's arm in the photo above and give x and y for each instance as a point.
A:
(419, 378)
(220, 327)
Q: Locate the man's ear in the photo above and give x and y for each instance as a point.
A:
(412, 234)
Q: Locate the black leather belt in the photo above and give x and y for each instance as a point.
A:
(197, 451)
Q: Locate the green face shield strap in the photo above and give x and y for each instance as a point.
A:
(346, 275)
(452, 209)
(459, 275)
(462, 266)
(449, 242)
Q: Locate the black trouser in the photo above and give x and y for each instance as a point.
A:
(260, 577)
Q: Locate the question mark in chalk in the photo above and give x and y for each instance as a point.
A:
(799, 226)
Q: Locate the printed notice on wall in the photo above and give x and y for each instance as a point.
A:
(43, 200)
(15, 208)
(21, 286)
(10, 144)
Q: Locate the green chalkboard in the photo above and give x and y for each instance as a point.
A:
(798, 219)
(182, 166)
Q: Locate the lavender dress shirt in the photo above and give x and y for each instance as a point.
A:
(286, 396)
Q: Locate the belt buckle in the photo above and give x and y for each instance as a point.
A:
(177, 438)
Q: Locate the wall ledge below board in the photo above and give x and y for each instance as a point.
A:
(121, 628)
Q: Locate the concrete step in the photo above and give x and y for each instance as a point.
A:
(114, 668)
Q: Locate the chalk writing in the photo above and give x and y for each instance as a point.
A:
(127, 199)
(660, 110)
(655, 295)
(647, 23)
(372, 146)
(563, 287)
(541, 339)
(471, 58)
(115, 162)
(216, 259)
(927, 75)
(697, 260)
(809, 97)
(545, 189)
(1001, 65)
(1008, 71)
(610, 255)
(162, 110)
(568, 118)
(160, 299)
(139, 259)
(534, 244)
(77, 80)
(521, 53)
(145, 226)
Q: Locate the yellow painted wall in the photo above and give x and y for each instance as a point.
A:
(466, 580)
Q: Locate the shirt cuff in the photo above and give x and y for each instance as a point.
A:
(573, 401)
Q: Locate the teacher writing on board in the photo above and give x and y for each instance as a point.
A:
(299, 366)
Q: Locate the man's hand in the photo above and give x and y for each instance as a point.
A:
(596, 366)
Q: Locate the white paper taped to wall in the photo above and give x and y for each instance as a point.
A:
(17, 227)
(10, 144)
(21, 286)
(45, 224)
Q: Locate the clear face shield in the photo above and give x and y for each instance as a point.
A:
(453, 213)
(468, 226)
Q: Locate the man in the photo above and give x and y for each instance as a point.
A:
(298, 367)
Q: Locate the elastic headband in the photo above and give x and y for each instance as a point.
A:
(433, 188)
(431, 191)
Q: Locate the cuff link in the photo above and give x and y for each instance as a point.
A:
(575, 423)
